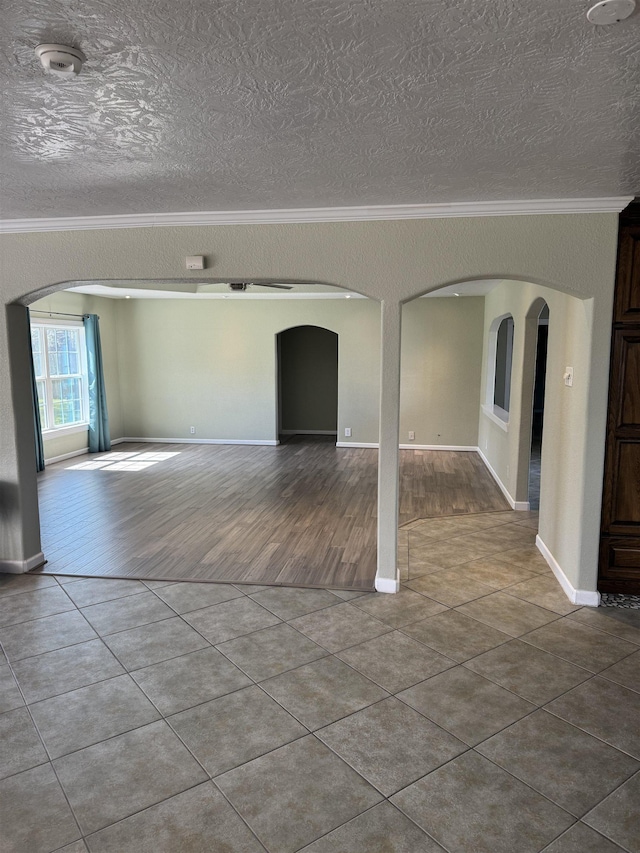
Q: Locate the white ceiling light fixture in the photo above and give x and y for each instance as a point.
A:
(61, 59)
(610, 11)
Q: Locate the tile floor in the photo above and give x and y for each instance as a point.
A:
(477, 710)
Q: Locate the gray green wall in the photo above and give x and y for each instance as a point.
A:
(441, 367)
(392, 261)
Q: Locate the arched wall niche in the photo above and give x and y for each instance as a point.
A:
(392, 261)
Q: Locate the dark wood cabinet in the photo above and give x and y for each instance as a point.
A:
(619, 567)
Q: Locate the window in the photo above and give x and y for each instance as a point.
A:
(504, 356)
(60, 362)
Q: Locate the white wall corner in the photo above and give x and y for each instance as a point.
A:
(583, 597)
(19, 567)
(388, 584)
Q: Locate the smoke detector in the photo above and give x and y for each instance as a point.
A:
(611, 11)
(60, 59)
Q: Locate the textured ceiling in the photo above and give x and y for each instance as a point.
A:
(259, 104)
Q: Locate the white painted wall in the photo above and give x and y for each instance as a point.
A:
(564, 451)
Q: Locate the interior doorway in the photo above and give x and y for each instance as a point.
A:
(307, 382)
(537, 412)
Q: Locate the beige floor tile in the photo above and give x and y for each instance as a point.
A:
(455, 635)
(453, 698)
(395, 661)
(604, 709)
(529, 672)
(617, 816)
(400, 609)
(566, 765)
(581, 839)
(390, 744)
(494, 573)
(118, 777)
(339, 627)
(197, 821)
(545, 591)
(20, 745)
(508, 614)
(294, 795)
(580, 644)
(448, 588)
(607, 619)
(472, 806)
(34, 814)
(626, 672)
(382, 829)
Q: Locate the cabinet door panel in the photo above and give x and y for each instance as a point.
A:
(627, 298)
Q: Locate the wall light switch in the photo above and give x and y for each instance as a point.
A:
(568, 376)
(195, 262)
(347, 432)
(412, 435)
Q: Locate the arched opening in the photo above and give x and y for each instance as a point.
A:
(538, 316)
(307, 382)
(478, 392)
(185, 374)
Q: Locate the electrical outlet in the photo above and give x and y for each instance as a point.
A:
(347, 432)
(192, 430)
(412, 435)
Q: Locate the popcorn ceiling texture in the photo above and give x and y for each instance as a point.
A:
(255, 104)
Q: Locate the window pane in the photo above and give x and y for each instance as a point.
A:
(42, 405)
(67, 401)
(36, 349)
(504, 351)
(63, 347)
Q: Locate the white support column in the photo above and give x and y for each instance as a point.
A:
(387, 578)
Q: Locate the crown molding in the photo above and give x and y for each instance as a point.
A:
(534, 207)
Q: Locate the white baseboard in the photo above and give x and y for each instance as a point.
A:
(413, 446)
(388, 584)
(19, 567)
(308, 432)
(373, 444)
(256, 441)
(584, 597)
(82, 452)
(519, 506)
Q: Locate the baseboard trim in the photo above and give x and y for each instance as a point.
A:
(388, 585)
(19, 567)
(519, 506)
(82, 452)
(308, 432)
(583, 597)
(373, 444)
(376, 445)
(147, 440)
(461, 447)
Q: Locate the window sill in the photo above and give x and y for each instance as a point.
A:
(492, 412)
(67, 430)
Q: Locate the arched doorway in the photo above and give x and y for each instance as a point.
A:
(307, 382)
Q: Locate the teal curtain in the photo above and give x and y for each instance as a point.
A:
(37, 426)
(99, 436)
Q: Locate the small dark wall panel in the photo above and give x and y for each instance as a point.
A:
(627, 496)
(308, 358)
(627, 304)
(619, 567)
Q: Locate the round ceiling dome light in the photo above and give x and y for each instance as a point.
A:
(611, 11)
(60, 59)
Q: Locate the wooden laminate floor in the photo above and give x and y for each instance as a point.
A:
(302, 513)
